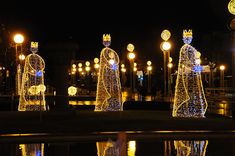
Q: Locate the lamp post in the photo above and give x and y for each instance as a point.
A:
(165, 47)
(123, 70)
(18, 39)
(149, 70)
(222, 68)
(169, 65)
(131, 57)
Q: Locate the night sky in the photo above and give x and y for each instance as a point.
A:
(139, 22)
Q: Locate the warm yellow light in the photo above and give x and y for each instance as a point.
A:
(134, 69)
(222, 67)
(18, 38)
(123, 65)
(170, 65)
(231, 7)
(79, 65)
(96, 60)
(198, 54)
(88, 68)
(74, 66)
(111, 61)
(72, 91)
(96, 66)
(131, 55)
(198, 61)
(87, 63)
(165, 35)
(130, 47)
(149, 68)
(166, 46)
(123, 70)
(149, 63)
(74, 69)
(21, 57)
(170, 59)
(80, 69)
(135, 64)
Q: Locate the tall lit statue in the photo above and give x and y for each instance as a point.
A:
(108, 96)
(32, 95)
(189, 100)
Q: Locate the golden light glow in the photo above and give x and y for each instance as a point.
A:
(189, 99)
(134, 69)
(80, 69)
(123, 70)
(188, 33)
(22, 57)
(87, 68)
(72, 91)
(169, 65)
(96, 60)
(198, 61)
(123, 65)
(111, 61)
(106, 37)
(96, 66)
(135, 64)
(165, 35)
(222, 67)
(87, 63)
(131, 149)
(170, 59)
(149, 68)
(18, 38)
(130, 47)
(231, 7)
(166, 46)
(149, 63)
(131, 56)
(74, 66)
(79, 65)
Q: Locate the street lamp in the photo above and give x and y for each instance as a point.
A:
(18, 39)
(149, 70)
(131, 57)
(169, 65)
(222, 68)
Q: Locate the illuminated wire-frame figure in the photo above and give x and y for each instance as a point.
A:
(108, 96)
(32, 95)
(189, 99)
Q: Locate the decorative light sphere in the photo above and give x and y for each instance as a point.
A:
(149, 68)
(170, 59)
(80, 69)
(231, 7)
(96, 60)
(22, 57)
(170, 65)
(79, 65)
(88, 68)
(72, 91)
(135, 69)
(222, 67)
(123, 65)
(166, 46)
(87, 63)
(149, 63)
(165, 35)
(135, 64)
(18, 38)
(74, 66)
(130, 47)
(96, 66)
(131, 55)
(123, 70)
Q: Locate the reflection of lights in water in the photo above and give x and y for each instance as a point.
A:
(131, 148)
(74, 102)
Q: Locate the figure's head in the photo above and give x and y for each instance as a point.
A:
(187, 36)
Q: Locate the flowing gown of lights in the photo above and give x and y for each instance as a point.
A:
(189, 100)
(32, 95)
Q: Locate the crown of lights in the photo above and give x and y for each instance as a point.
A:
(188, 33)
(106, 37)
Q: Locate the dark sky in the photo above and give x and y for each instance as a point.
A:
(139, 22)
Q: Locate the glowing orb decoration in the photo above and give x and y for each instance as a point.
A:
(191, 148)
(32, 149)
(165, 35)
(189, 100)
(231, 7)
(72, 91)
(130, 47)
(32, 94)
(18, 38)
(108, 96)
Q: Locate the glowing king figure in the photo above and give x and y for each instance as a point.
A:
(32, 95)
(108, 96)
(189, 100)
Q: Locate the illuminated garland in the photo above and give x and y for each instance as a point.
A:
(32, 149)
(32, 95)
(189, 100)
(108, 96)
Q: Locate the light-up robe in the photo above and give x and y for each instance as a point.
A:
(108, 96)
(32, 95)
(189, 100)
